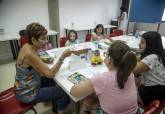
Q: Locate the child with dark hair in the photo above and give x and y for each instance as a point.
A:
(98, 33)
(151, 67)
(116, 84)
(72, 38)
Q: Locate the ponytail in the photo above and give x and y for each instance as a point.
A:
(126, 65)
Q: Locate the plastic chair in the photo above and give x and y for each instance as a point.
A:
(88, 37)
(151, 108)
(116, 32)
(161, 107)
(23, 40)
(23, 37)
(10, 105)
(63, 41)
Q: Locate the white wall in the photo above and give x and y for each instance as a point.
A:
(16, 14)
(87, 12)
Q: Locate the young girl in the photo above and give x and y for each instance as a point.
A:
(99, 33)
(151, 67)
(116, 88)
(72, 38)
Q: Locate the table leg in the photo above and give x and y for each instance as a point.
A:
(56, 40)
(77, 107)
(106, 30)
(66, 32)
(88, 31)
(16, 47)
(12, 49)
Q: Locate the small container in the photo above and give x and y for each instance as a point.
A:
(137, 34)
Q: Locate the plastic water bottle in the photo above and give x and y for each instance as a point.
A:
(137, 35)
(89, 56)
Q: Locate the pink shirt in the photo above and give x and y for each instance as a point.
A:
(112, 99)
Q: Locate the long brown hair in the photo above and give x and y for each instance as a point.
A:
(123, 60)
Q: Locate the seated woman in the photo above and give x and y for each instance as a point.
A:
(30, 69)
(151, 67)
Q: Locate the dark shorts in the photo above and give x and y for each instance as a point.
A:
(150, 93)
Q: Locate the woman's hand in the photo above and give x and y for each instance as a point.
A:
(66, 53)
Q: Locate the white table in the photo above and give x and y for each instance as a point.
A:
(85, 27)
(134, 42)
(64, 72)
(14, 37)
(88, 71)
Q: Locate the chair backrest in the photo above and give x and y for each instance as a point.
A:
(161, 107)
(23, 40)
(63, 41)
(10, 105)
(116, 32)
(88, 37)
(23, 37)
(152, 107)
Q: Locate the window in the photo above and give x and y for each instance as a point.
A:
(163, 17)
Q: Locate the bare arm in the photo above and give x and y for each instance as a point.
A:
(83, 51)
(140, 68)
(84, 88)
(94, 37)
(42, 68)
